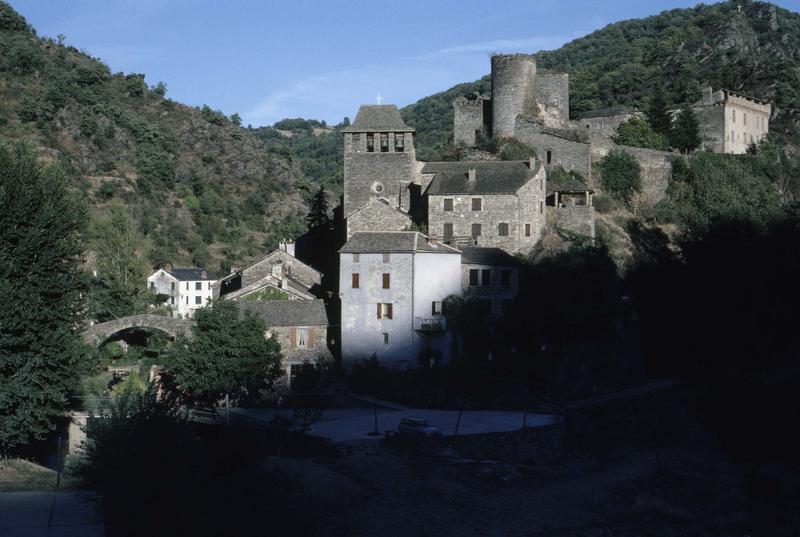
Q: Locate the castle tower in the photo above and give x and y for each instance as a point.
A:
(513, 91)
(471, 115)
(379, 158)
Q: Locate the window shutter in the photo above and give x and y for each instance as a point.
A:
(379, 311)
(294, 337)
(388, 311)
(386, 280)
(355, 280)
(312, 338)
(433, 308)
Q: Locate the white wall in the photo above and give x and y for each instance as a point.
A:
(183, 295)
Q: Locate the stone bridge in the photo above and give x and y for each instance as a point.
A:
(99, 332)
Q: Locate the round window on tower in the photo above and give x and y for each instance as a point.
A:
(377, 187)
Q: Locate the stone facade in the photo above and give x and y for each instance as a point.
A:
(491, 277)
(655, 166)
(97, 333)
(569, 149)
(470, 116)
(605, 122)
(377, 214)
(552, 97)
(730, 122)
(513, 92)
(576, 218)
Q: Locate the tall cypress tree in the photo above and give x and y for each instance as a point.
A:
(686, 132)
(657, 115)
(41, 286)
(317, 218)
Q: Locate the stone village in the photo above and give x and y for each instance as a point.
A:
(479, 215)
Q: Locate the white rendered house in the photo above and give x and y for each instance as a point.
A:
(186, 289)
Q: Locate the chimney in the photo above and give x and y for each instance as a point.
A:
(531, 163)
(472, 178)
(234, 269)
(287, 247)
(203, 274)
(707, 95)
(167, 266)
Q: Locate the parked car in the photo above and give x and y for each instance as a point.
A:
(417, 427)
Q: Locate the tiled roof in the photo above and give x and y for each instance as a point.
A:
(491, 177)
(191, 274)
(393, 241)
(288, 312)
(487, 256)
(378, 118)
(382, 201)
(567, 185)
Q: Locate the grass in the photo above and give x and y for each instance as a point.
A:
(20, 475)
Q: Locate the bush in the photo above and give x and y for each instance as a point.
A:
(621, 175)
(513, 149)
(638, 133)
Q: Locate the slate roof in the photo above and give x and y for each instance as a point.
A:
(383, 201)
(487, 256)
(607, 112)
(393, 241)
(191, 274)
(491, 176)
(288, 312)
(378, 118)
(567, 185)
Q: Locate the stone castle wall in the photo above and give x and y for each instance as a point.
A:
(552, 96)
(469, 116)
(513, 91)
(364, 171)
(570, 154)
(712, 127)
(656, 169)
(576, 218)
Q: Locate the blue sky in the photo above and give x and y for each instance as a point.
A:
(319, 59)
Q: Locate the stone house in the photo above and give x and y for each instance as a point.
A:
(378, 212)
(486, 203)
(186, 289)
(301, 328)
(392, 286)
(278, 272)
(731, 122)
(571, 202)
(490, 274)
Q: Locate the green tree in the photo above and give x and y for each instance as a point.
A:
(685, 135)
(42, 285)
(621, 175)
(638, 133)
(114, 240)
(317, 218)
(236, 119)
(228, 355)
(657, 115)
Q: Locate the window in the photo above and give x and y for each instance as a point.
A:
(387, 258)
(356, 258)
(436, 308)
(152, 285)
(209, 286)
(355, 280)
(744, 118)
(370, 142)
(187, 286)
(172, 286)
(384, 142)
(386, 280)
(528, 229)
(198, 299)
(549, 157)
(731, 135)
(476, 204)
(486, 277)
(733, 115)
(476, 231)
(448, 204)
(187, 299)
(385, 338)
(384, 311)
(541, 206)
(447, 231)
(198, 286)
(502, 229)
(302, 337)
(399, 142)
(505, 277)
(172, 301)
(473, 277)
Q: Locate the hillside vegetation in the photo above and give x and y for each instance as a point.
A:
(202, 189)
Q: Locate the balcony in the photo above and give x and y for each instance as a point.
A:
(430, 324)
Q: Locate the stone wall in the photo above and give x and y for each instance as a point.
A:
(468, 117)
(495, 291)
(570, 154)
(656, 169)
(373, 175)
(316, 349)
(552, 97)
(377, 216)
(576, 218)
(605, 125)
(513, 91)
(712, 127)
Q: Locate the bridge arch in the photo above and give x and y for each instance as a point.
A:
(98, 333)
